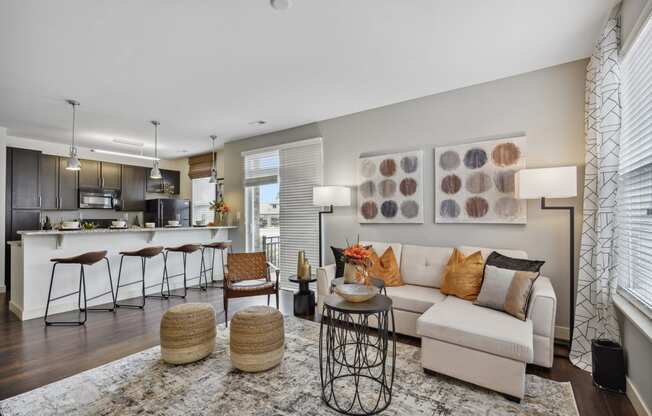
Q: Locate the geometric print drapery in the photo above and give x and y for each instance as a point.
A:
(597, 280)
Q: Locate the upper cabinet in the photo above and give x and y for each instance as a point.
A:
(25, 176)
(111, 174)
(58, 184)
(168, 184)
(68, 186)
(99, 175)
(89, 174)
(134, 182)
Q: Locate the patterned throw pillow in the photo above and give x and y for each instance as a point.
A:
(504, 262)
(507, 290)
(463, 275)
(386, 268)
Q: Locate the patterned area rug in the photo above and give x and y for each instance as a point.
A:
(141, 384)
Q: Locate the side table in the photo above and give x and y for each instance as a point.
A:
(304, 299)
(356, 378)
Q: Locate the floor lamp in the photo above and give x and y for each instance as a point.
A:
(559, 182)
(329, 196)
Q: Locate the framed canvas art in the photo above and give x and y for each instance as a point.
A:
(475, 182)
(390, 188)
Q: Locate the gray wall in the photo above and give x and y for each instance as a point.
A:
(547, 105)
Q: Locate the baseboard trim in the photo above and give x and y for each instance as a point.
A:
(637, 402)
(562, 333)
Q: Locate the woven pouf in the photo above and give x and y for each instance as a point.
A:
(187, 333)
(257, 338)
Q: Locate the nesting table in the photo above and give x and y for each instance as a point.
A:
(356, 377)
(304, 299)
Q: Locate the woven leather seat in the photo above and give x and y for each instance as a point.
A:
(186, 248)
(220, 245)
(143, 252)
(88, 258)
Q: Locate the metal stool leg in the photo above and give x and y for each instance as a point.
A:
(166, 278)
(163, 280)
(126, 305)
(112, 308)
(47, 306)
(202, 271)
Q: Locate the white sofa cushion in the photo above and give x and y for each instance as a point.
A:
(460, 322)
(417, 299)
(424, 266)
(380, 247)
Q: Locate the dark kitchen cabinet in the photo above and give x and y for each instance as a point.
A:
(24, 220)
(168, 184)
(25, 173)
(111, 175)
(68, 186)
(134, 182)
(49, 181)
(90, 174)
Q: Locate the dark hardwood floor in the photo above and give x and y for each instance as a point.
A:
(32, 355)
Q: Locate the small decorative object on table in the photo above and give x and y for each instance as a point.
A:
(221, 211)
(356, 293)
(304, 270)
(356, 263)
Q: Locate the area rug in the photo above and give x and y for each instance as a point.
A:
(141, 384)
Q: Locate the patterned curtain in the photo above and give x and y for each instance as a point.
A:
(594, 311)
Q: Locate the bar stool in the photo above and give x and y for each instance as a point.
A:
(222, 246)
(184, 250)
(85, 259)
(144, 254)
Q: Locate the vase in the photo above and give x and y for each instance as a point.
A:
(355, 273)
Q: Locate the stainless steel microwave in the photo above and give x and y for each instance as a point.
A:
(97, 200)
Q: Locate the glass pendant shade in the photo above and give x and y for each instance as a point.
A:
(155, 173)
(73, 161)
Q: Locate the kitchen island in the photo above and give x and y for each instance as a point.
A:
(31, 267)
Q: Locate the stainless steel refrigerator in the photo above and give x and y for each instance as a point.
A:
(163, 210)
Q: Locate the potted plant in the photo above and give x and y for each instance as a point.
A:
(221, 211)
(357, 261)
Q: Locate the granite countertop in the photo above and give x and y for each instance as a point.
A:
(125, 230)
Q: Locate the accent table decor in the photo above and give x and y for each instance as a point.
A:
(350, 350)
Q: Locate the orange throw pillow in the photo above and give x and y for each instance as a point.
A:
(463, 275)
(386, 268)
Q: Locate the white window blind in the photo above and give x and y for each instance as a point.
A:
(634, 220)
(261, 168)
(300, 169)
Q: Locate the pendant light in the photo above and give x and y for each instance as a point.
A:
(214, 167)
(155, 172)
(73, 160)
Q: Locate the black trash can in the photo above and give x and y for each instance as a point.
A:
(608, 365)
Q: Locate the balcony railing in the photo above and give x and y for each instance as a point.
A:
(272, 249)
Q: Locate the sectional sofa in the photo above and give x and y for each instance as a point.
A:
(472, 343)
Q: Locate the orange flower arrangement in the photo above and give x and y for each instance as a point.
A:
(357, 253)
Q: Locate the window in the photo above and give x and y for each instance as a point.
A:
(634, 220)
(203, 193)
(280, 217)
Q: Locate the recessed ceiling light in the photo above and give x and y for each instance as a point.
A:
(257, 122)
(280, 4)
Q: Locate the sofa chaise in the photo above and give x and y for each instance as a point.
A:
(479, 345)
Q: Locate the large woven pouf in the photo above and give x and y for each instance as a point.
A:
(187, 333)
(257, 338)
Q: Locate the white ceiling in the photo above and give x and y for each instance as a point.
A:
(213, 66)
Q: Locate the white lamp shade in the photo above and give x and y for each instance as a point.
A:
(339, 196)
(560, 182)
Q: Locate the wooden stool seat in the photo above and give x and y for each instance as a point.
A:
(148, 252)
(220, 245)
(186, 248)
(187, 333)
(87, 259)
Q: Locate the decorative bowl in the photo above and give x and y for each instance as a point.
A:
(70, 225)
(356, 293)
(173, 223)
(150, 225)
(118, 224)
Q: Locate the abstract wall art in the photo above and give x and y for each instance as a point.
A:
(475, 182)
(390, 188)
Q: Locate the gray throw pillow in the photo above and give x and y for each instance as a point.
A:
(506, 290)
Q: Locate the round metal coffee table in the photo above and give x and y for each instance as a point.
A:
(356, 378)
